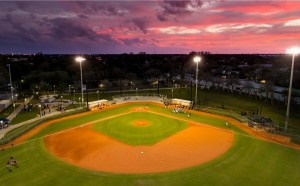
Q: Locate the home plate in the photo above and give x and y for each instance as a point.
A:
(142, 152)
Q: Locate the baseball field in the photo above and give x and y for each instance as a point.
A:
(147, 144)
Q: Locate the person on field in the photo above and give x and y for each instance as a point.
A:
(8, 166)
(13, 162)
(227, 124)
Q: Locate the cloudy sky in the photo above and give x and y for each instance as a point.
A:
(156, 26)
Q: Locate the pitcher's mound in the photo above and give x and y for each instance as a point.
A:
(89, 149)
(140, 123)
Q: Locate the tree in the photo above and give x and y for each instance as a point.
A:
(232, 83)
(217, 82)
(269, 89)
(248, 87)
(206, 77)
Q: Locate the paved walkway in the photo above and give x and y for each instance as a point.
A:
(18, 109)
(21, 106)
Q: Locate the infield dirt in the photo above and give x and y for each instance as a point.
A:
(89, 149)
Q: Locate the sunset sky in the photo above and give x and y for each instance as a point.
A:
(157, 26)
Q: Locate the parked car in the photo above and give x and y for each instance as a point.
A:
(28, 107)
(4, 123)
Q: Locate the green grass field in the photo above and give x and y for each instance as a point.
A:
(249, 161)
(123, 128)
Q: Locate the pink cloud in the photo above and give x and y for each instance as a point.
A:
(170, 26)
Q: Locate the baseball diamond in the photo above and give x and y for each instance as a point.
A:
(145, 143)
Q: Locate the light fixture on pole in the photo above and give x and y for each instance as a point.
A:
(136, 90)
(294, 51)
(40, 106)
(197, 59)
(80, 60)
(16, 98)
(11, 87)
(172, 93)
(98, 94)
(53, 89)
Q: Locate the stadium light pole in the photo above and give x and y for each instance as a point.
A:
(11, 87)
(197, 59)
(80, 60)
(294, 51)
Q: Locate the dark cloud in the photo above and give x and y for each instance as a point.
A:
(111, 10)
(18, 30)
(141, 24)
(177, 8)
(65, 29)
(161, 17)
(106, 8)
(133, 41)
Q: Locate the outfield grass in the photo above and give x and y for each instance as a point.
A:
(6, 112)
(124, 129)
(24, 115)
(248, 162)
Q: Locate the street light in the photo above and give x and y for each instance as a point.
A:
(11, 87)
(80, 60)
(136, 91)
(172, 93)
(2, 129)
(16, 98)
(14, 107)
(54, 89)
(69, 89)
(294, 51)
(40, 106)
(197, 59)
(98, 94)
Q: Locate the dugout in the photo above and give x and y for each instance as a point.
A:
(98, 104)
(182, 102)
